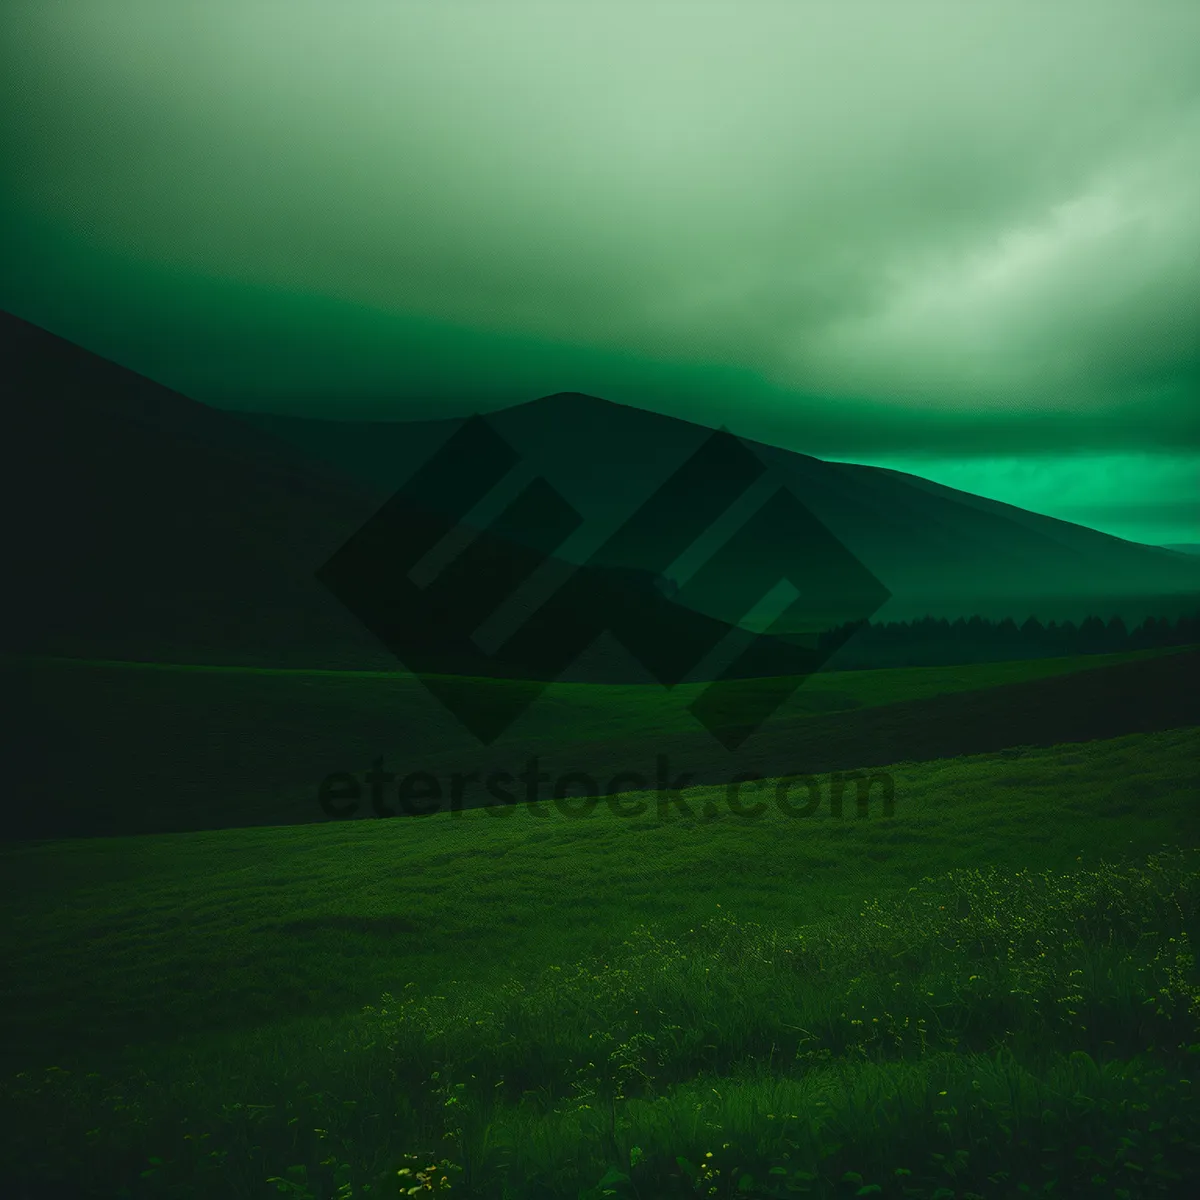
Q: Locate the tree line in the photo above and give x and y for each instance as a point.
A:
(936, 641)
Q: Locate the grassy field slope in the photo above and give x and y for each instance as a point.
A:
(133, 747)
(111, 939)
(534, 1005)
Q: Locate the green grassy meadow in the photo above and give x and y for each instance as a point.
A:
(991, 992)
(331, 702)
(149, 747)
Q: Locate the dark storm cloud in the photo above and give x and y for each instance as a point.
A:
(924, 229)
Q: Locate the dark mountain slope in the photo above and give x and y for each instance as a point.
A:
(930, 545)
(151, 524)
(154, 527)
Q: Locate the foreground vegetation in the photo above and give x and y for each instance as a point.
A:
(991, 993)
(111, 942)
(992, 1033)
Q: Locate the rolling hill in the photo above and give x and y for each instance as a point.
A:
(156, 527)
(936, 549)
(153, 527)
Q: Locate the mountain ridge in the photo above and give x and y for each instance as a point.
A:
(923, 539)
(166, 529)
(164, 526)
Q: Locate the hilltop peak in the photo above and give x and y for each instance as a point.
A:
(574, 399)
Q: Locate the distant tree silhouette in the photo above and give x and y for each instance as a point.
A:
(1116, 636)
(934, 641)
(1033, 633)
(1091, 636)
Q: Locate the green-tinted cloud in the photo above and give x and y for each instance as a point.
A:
(899, 230)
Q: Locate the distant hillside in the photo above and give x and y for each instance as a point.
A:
(156, 528)
(938, 550)
(1184, 547)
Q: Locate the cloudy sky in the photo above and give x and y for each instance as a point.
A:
(959, 240)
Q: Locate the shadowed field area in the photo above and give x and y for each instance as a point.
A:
(139, 748)
(212, 986)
